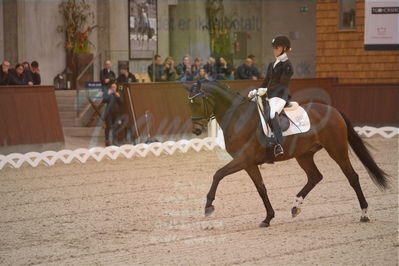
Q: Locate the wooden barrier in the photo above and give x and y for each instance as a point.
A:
(169, 112)
(29, 115)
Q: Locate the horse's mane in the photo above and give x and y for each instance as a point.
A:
(209, 86)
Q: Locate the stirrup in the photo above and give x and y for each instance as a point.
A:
(278, 150)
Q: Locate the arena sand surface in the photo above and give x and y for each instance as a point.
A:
(150, 211)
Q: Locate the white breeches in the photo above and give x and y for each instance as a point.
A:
(276, 106)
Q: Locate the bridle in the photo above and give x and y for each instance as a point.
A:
(204, 106)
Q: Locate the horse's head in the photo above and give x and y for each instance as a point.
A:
(201, 104)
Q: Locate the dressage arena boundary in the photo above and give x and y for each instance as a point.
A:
(49, 158)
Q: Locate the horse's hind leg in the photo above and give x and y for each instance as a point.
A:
(339, 152)
(306, 162)
(254, 173)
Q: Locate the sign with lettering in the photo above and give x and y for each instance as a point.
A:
(381, 25)
(93, 85)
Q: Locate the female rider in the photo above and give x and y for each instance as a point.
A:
(275, 84)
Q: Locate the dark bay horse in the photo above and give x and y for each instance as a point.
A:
(239, 119)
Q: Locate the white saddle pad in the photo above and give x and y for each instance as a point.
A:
(299, 120)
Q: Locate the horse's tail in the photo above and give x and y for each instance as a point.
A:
(378, 175)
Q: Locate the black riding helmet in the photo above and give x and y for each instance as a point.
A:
(282, 41)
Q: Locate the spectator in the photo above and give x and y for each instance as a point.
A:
(19, 76)
(5, 73)
(107, 76)
(210, 68)
(169, 68)
(245, 70)
(255, 71)
(183, 70)
(125, 76)
(224, 70)
(195, 68)
(156, 70)
(36, 79)
(202, 75)
(113, 113)
(27, 71)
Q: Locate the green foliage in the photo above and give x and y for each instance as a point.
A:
(78, 24)
(219, 32)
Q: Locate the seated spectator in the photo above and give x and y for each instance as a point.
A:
(195, 68)
(19, 76)
(27, 71)
(169, 68)
(224, 70)
(35, 73)
(156, 70)
(5, 73)
(107, 76)
(183, 70)
(245, 71)
(210, 68)
(113, 113)
(202, 75)
(125, 76)
(255, 71)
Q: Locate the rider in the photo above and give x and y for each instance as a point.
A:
(275, 84)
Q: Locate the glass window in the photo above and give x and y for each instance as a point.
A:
(347, 14)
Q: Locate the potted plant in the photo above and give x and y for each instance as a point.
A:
(78, 25)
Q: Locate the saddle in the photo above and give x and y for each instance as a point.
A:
(283, 119)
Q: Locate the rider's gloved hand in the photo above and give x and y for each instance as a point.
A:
(262, 91)
(252, 93)
(257, 92)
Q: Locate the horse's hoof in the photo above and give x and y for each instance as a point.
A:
(209, 210)
(295, 211)
(264, 224)
(364, 219)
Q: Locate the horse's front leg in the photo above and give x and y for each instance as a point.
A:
(254, 173)
(234, 166)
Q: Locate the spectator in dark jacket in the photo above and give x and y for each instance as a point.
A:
(19, 76)
(245, 70)
(27, 71)
(113, 113)
(183, 70)
(210, 68)
(107, 76)
(125, 76)
(224, 70)
(169, 68)
(156, 70)
(5, 73)
(195, 68)
(255, 71)
(35, 73)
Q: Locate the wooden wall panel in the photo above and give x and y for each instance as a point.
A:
(362, 103)
(29, 115)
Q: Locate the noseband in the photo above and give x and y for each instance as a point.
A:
(204, 104)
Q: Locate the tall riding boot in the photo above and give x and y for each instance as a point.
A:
(278, 135)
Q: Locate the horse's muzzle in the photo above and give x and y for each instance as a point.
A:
(197, 131)
(198, 128)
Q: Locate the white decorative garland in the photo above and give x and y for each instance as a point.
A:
(49, 158)
(386, 132)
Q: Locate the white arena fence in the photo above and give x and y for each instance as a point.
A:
(215, 138)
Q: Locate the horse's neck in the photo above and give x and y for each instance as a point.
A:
(231, 114)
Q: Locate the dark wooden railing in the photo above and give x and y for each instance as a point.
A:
(29, 115)
(168, 112)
